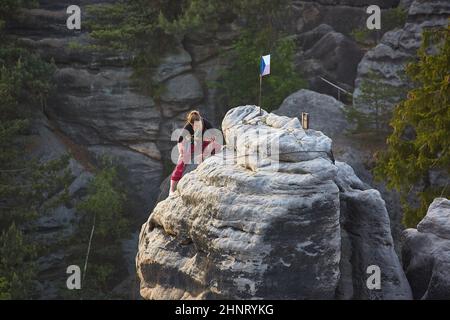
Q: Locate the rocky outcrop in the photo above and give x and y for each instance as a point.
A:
(426, 253)
(102, 112)
(287, 224)
(399, 46)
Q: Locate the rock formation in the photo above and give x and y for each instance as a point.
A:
(399, 46)
(99, 110)
(328, 54)
(290, 224)
(426, 253)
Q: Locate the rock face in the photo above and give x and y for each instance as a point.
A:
(366, 241)
(58, 224)
(95, 104)
(399, 46)
(101, 111)
(426, 253)
(286, 225)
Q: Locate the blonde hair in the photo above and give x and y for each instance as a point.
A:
(193, 116)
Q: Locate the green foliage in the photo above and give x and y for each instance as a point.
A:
(24, 80)
(105, 201)
(132, 27)
(17, 268)
(362, 35)
(24, 77)
(394, 18)
(240, 83)
(372, 110)
(4, 289)
(104, 206)
(420, 141)
(149, 28)
(198, 15)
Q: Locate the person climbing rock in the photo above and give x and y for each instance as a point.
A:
(193, 146)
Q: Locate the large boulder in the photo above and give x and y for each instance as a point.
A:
(426, 253)
(307, 39)
(326, 113)
(269, 224)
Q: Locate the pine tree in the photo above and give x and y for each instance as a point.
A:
(104, 207)
(17, 267)
(420, 141)
(372, 109)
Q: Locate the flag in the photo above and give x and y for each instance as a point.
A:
(264, 67)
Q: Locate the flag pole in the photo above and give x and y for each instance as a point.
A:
(260, 89)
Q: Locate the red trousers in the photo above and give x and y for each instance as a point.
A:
(177, 173)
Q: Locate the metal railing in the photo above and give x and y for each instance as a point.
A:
(339, 89)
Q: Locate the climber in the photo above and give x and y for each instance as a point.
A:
(192, 141)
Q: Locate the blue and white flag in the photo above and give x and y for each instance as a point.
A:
(264, 67)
